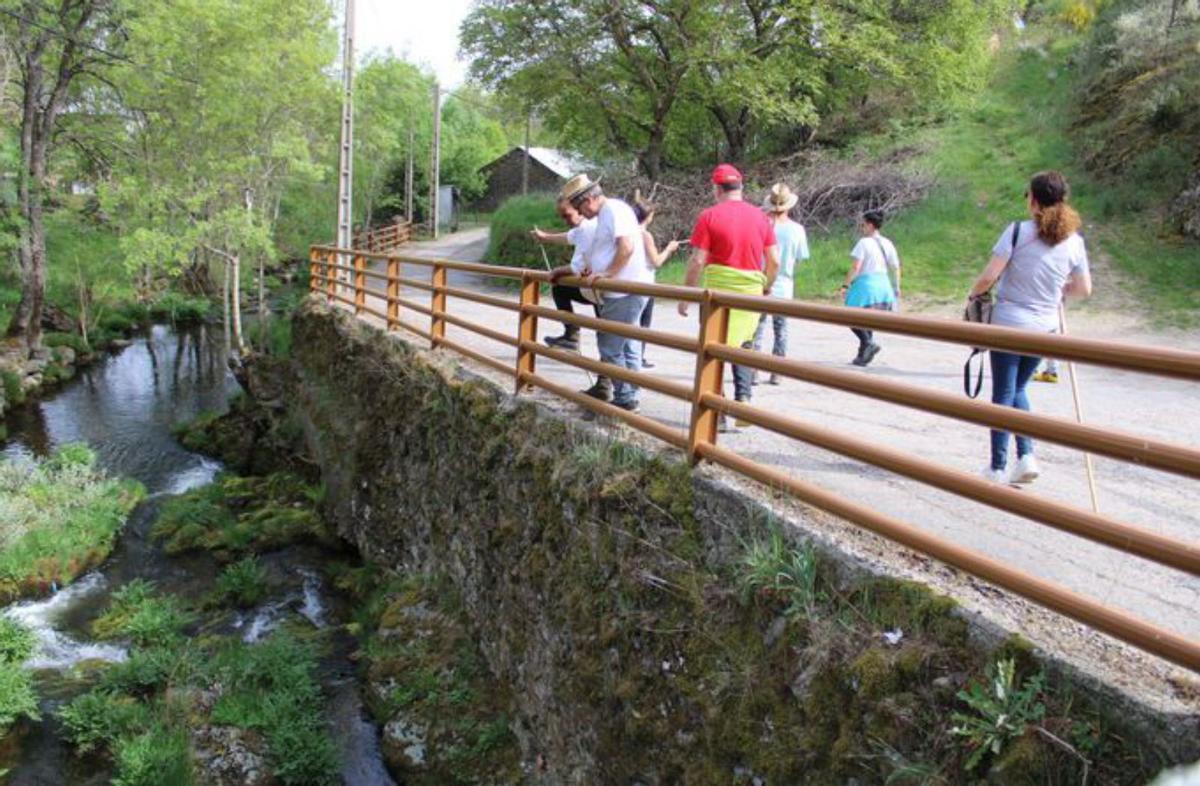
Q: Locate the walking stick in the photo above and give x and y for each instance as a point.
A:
(546, 259)
(1091, 469)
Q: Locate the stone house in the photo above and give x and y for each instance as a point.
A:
(548, 170)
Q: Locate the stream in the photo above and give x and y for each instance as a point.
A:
(124, 406)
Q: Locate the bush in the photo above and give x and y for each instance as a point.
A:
(157, 757)
(99, 717)
(510, 243)
(13, 393)
(243, 583)
(16, 641)
(17, 699)
(72, 340)
(137, 612)
(176, 308)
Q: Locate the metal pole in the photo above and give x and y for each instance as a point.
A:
(525, 160)
(1087, 457)
(346, 150)
(408, 178)
(435, 164)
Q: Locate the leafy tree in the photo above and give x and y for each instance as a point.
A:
(55, 48)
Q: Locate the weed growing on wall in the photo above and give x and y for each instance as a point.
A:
(17, 697)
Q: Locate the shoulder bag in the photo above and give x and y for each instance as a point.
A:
(979, 309)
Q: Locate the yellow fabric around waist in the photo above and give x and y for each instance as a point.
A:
(742, 324)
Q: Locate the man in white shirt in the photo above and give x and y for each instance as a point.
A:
(617, 252)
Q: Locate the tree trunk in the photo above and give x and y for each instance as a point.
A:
(235, 301)
(227, 316)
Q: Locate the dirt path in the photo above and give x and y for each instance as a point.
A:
(1159, 408)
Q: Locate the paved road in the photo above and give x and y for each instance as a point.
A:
(1159, 408)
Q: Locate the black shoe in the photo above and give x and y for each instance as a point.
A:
(859, 358)
(870, 353)
(647, 363)
(629, 406)
(601, 390)
(567, 341)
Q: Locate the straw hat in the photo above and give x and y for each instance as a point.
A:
(780, 199)
(576, 186)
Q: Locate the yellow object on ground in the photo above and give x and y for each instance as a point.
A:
(742, 324)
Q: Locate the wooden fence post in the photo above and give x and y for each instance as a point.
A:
(393, 292)
(331, 276)
(360, 283)
(714, 326)
(314, 270)
(527, 330)
(437, 327)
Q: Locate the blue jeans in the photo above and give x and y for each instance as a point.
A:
(780, 327)
(1010, 375)
(618, 350)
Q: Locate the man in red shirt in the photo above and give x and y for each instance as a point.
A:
(734, 247)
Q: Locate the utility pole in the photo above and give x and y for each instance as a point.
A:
(346, 152)
(525, 161)
(408, 177)
(435, 164)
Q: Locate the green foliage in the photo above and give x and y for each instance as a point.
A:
(61, 517)
(95, 719)
(13, 393)
(237, 515)
(509, 242)
(17, 697)
(139, 613)
(244, 583)
(774, 568)
(179, 309)
(72, 340)
(1003, 711)
(154, 758)
(271, 687)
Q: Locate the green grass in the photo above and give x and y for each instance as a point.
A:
(982, 159)
(139, 613)
(236, 516)
(244, 583)
(61, 517)
(17, 697)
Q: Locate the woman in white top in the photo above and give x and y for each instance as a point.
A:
(1036, 264)
(654, 260)
(867, 282)
(792, 242)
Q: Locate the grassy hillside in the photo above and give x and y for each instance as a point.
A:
(982, 159)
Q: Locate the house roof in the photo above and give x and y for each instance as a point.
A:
(560, 162)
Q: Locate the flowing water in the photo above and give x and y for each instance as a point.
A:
(125, 407)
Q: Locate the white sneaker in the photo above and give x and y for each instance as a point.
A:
(994, 475)
(1026, 470)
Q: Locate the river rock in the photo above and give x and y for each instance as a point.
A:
(31, 382)
(231, 757)
(66, 356)
(403, 744)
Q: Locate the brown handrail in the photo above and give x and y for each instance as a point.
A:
(707, 404)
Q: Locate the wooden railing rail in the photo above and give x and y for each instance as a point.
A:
(347, 284)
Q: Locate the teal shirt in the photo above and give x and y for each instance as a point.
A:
(792, 243)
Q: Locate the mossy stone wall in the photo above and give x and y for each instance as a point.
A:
(601, 584)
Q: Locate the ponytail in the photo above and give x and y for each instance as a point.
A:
(1056, 220)
(1056, 223)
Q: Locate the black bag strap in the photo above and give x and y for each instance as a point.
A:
(978, 377)
(882, 251)
(1016, 233)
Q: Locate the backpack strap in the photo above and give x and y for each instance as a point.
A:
(1016, 233)
(973, 392)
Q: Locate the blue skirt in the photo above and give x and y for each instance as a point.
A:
(873, 290)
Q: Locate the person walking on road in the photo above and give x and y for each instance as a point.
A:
(644, 212)
(734, 247)
(1034, 265)
(615, 252)
(868, 284)
(792, 242)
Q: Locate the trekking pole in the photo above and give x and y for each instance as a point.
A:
(546, 259)
(1091, 469)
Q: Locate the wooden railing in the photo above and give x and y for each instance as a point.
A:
(348, 285)
(386, 239)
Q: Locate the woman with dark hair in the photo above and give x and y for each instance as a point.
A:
(644, 212)
(867, 282)
(1035, 264)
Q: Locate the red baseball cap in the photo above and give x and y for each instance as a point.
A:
(726, 173)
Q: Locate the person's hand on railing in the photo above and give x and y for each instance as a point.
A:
(682, 308)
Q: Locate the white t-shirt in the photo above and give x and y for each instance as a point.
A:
(617, 220)
(876, 253)
(580, 237)
(1030, 288)
(792, 242)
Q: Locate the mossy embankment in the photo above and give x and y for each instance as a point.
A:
(61, 517)
(649, 624)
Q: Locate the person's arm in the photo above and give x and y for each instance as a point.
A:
(553, 238)
(692, 277)
(562, 271)
(654, 257)
(988, 278)
(855, 266)
(772, 267)
(897, 270)
(624, 252)
(1079, 285)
